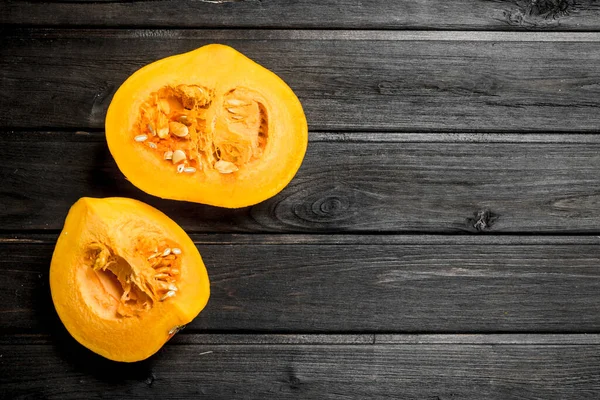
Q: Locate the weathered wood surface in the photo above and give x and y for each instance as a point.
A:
(346, 80)
(343, 283)
(442, 367)
(348, 183)
(341, 14)
(325, 290)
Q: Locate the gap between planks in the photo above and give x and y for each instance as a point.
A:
(229, 339)
(342, 239)
(302, 34)
(347, 137)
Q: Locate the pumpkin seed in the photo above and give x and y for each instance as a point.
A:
(166, 252)
(236, 102)
(141, 138)
(225, 167)
(163, 132)
(163, 270)
(176, 250)
(176, 329)
(162, 125)
(178, 156)
(170, 293)
(164, 106)
(168, 155)
(172, 287)
(152, 145)
(151, 129)
(180, 168)
(178, 129)
(189, 170)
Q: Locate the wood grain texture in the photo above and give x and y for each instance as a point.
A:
(348, 183)
(64, 370)
(341, 14)
(363, 284)
(346, 80)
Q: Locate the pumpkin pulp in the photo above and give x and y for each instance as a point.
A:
(194, 129)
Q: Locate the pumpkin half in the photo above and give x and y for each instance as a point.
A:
(209, 126)
(125, 277)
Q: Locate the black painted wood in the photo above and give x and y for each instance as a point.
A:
(348, 183)
(341, 14)
(343, 283)
(329, 369)
(397, 149)
(346, 80)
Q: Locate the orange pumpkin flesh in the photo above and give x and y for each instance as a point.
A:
(209, 126)
(125, 278)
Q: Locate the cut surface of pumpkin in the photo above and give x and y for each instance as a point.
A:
(125, 278)
(209, 126)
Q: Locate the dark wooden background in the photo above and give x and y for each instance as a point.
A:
(440, 242)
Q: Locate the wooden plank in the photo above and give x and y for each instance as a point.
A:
(353, 183)
(347, 80)
(299, 371)
(347, 14)
(513, 284)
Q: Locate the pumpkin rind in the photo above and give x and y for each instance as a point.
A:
(96, 303)
(223, 76)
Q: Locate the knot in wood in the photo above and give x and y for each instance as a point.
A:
(327, 205)
(330, 206)
(483, 220)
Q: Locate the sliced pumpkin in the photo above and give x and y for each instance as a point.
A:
(125, 277)
(209, 126)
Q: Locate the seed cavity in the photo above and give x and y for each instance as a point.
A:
(134, 286)
(141, 138)
(213, 131)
